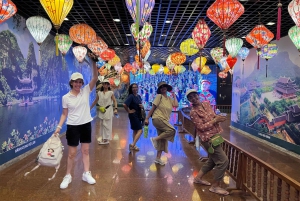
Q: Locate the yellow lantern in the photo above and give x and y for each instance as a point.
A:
(189, 47)
(201, 62)
(166, 70)
(57, 11)
(155, 67)
(205, 70)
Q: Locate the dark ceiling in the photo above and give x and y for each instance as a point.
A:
(184, 14)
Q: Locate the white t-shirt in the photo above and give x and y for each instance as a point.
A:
(78, 107)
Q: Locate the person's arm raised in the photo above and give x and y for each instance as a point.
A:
(95, 73)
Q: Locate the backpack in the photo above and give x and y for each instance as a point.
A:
(50, 155)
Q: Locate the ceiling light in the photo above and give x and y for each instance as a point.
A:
(243, 36)
(163, 35)
(159, 44)
(168, 21)
(117, 20)
(128, 34)
(243, 0)
(66, 19)
(270, 23)
(126, 44)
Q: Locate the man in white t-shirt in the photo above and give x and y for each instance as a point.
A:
(76, 110)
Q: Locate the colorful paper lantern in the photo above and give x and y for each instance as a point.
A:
(64, 43)
(169, 63)
(142, 36)
(114, 60)
(166, 70)
(97, 46)
(267, 52)
(294, 8)
(216, 53)
(223, 65)
(39, 28)
(231, 61)
(128, 67)
(107, 54)
(225, 12)
(155, 68)
(82, 34)
(222, 75)
(79, 53)
(140, 10)
(243, 53)
(178, 58)
(294, 34)
(205, 70)
(100, 63)
(57, 10)
(233, 46)
(189, 47)
(201, 34)
(125, 78)
(7, 10)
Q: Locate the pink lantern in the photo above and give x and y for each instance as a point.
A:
(201, 34)
(140, 10)
(98, 46)
(294, 8)
(79, 53)
(222, 75)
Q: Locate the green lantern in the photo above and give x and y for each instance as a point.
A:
(294, 34)
(233, 46)
(64, 43)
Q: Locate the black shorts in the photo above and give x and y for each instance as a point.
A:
(82, 133)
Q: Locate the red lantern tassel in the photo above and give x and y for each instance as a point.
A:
(278, 21)
(257, 62)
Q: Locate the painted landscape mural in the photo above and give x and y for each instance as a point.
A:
(268, 107)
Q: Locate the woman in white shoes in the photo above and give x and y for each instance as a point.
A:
(105, 98)
(76, 110)
(161, 109)
(207, 125)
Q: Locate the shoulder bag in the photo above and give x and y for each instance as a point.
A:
(215, 141)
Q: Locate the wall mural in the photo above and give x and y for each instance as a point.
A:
(268, 107)
(30, 94)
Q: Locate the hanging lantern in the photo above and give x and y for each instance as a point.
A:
(224, 13)
(128, 67)
(39, 28)
(114, 60)
(267, 52)
(178, 58)
(155, 68)
(258, 37)
(279, 5)
(97, 46)
(294, 8)
(233, 46)
(222, 75)
(107, 54)
(57, 10)
(189, 47)
(82, 34)
(200, 61)
(7, 10)
(231, 61)
(79, 53)
(195, 66)
(205, 70)
(201, 34)
(166, 70)
(294, 34)
(100, 63)
(64, 43)
(141, 36)
(243, 53)
(124, 78)
(223, 65)
(217, 54)
(169, 63)
(140, 10)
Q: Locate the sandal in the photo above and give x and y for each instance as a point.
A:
(135, 148)
(218, 190)
(200, 181)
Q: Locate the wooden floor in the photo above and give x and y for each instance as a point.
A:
(133, 176)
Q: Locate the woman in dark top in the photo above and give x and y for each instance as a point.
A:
(133, 105)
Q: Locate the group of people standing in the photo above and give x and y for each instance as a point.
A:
(76, 111)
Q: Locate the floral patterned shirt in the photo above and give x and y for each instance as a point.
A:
(202, 118)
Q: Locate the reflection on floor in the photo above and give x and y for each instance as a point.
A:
(126, 176)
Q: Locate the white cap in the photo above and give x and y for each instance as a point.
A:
(105, 80)
(76, 76)
(190, 91)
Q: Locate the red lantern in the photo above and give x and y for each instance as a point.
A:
(82, 34)
(201, 34)
(231, 61)
(128, 67)
(178, 58)
(98, 46)
(107, 54)
(258, 37)
(7, 10)
(225, 12)
(222, 75)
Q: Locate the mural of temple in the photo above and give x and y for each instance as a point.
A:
(286, 87)
(25, 91)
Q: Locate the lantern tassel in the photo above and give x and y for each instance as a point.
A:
(267, 69)
(243, 67)
(278, 21)
(56, 44)
(40, 58)
(257, 62)
(224, 40)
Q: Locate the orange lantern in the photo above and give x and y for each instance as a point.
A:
(102, 71)
(107, 54)
(178, 58)
(111, 81)
(82, 34)
(98, 46)
(7, 10)
(201, 34)
(125, 78)
(258, 37)
(137, 58)
(133, 71)
(224, 13)
(128, 67)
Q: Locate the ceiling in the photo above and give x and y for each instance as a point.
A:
(184, 14)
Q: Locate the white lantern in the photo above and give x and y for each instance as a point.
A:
(39, 28)
(79, 53)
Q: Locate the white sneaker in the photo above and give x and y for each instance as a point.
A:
(87, 176)
(159, 161)
(67, 179)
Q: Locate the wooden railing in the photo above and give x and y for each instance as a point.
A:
(250, 173)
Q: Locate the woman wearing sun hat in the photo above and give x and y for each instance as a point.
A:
(105, 98)
(160, 112)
